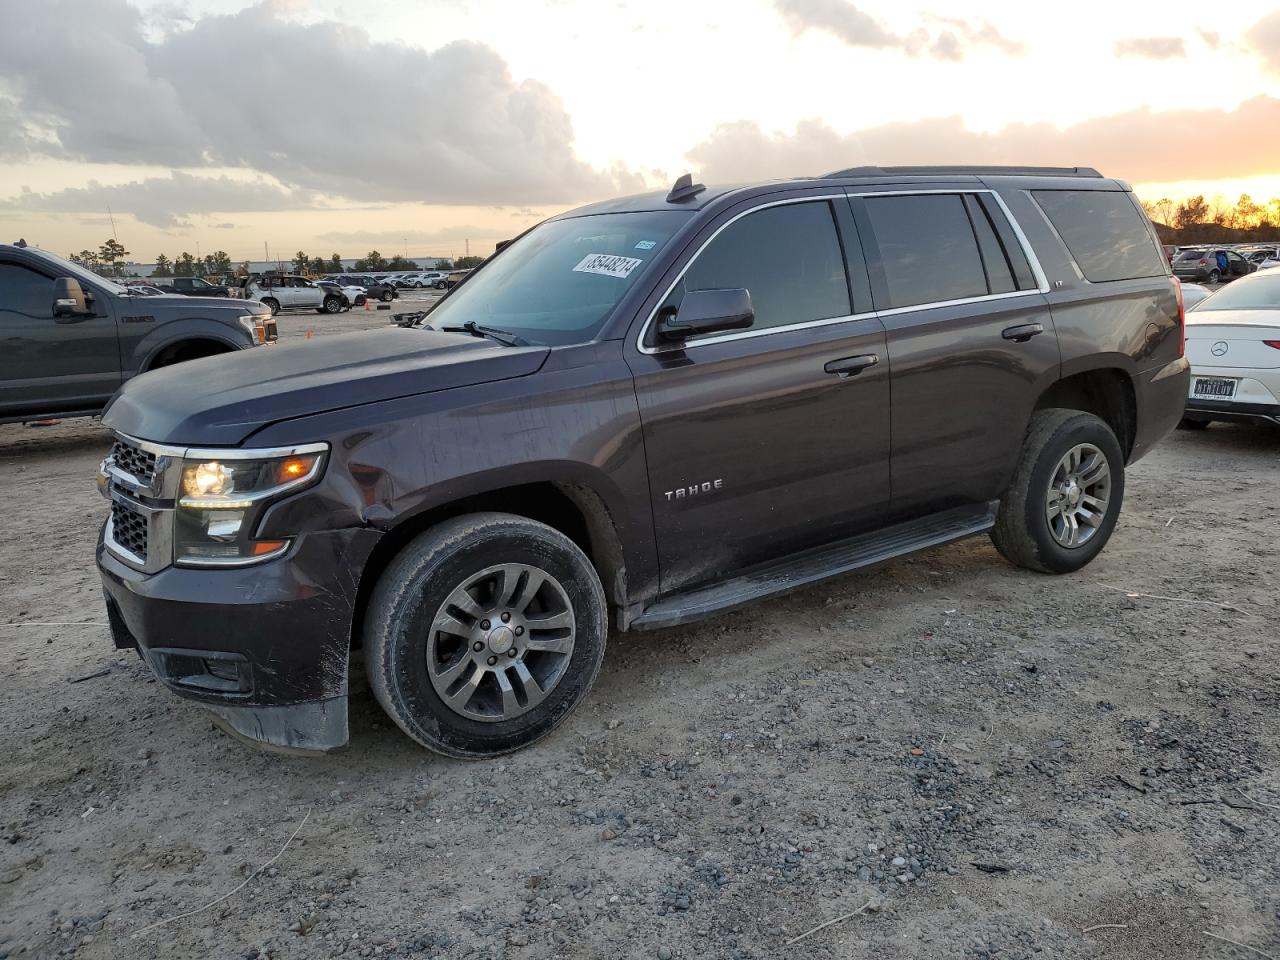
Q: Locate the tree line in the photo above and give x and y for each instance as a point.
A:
(1197, 220)
(109, 261)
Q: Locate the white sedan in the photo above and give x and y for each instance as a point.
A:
(1233, 343)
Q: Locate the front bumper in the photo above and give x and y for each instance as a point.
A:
(264, 647)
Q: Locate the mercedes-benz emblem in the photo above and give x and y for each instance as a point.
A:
(1219, 348)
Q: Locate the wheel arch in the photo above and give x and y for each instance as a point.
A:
(200, 345)
(1107, 392)
(571, 507)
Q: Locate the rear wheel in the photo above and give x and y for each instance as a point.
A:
(272, 304)
(386, 296)
(1214, 276)
(484, 634)
(1065, 496)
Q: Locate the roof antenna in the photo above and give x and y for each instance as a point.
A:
(684, 189)
(20, 243)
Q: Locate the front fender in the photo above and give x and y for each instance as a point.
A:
(139, 350)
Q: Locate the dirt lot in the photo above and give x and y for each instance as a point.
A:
(994, 763)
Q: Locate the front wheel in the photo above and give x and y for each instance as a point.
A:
(1065, 496)
(332, 305)
(484, 634)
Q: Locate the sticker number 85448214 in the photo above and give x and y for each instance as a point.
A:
(606, 265)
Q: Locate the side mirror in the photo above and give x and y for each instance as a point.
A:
(69, 301)
(706, 311)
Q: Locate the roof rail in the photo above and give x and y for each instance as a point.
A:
(964, 171)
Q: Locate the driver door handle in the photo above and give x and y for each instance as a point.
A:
(850, 366)
(1022, 332)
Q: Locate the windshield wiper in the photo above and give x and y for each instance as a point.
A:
(502, 336)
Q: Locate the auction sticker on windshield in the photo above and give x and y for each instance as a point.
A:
(606, 265)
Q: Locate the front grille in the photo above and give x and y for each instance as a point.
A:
(129, 529)
(134, 461)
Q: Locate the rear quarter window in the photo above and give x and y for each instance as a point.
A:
(1104, 231)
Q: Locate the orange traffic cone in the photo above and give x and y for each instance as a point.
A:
(366, 304)
(308, 333)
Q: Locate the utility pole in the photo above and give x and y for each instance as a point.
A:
(468, 243)
(266, 256)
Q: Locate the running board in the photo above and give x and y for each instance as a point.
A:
(816, 564)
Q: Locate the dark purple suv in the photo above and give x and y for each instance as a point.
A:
(636, 414)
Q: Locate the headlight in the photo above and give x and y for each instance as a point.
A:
(256, 327)
(223, 495)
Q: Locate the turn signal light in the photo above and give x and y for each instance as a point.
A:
(295, 467)
(263, 547)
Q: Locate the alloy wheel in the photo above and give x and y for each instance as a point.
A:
(1078, 496)
(501, 642)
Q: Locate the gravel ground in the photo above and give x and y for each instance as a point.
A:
(986, 761)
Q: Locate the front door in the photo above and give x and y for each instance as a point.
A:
(971, 342)
(62, 365)
(764, 441)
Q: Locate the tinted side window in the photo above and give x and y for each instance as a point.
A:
(25, 292)
(927, 248)
(1104, 232)
(994, 261)
(788, 257)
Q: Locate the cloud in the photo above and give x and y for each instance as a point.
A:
(165, 202)
(223, 92)
(950, 41)
(1142, 145)
(396, 237)
(1264, 38)
(1154, 48)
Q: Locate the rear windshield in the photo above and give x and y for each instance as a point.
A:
(1258, 292)
(1104, 231)
(1191, 255)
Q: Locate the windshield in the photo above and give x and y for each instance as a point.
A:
(68, 269)
(559, 282)
(1257, 292)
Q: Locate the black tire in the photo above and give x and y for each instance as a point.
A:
(439, 284)
(403, 605)
(332, 305)
(386, 296)
(1022, 533)
(1214, 276)
(1189, 423)
(272, 304)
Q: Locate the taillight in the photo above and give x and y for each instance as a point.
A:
(1182, 318)
(1204, 262)
(1272, 343)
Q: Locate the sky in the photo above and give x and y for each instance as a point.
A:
(437, 127)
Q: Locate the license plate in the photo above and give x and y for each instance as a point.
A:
(1213, 388)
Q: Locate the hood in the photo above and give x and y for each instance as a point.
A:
(219, 401)
(178, 301)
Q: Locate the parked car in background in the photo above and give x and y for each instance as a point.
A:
(195, 287)
(69, 338)
(1193, 293)
(427, 278)
(455, 277)
(288, 291)
(352, 295)
(375, 289)
(1211, 265)
(1233, 343)
(641, 413)
(1264, 257)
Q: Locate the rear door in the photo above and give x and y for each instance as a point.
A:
(71, 363)
(764, 441)
(970, 339)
